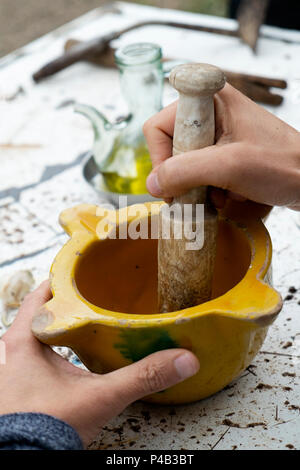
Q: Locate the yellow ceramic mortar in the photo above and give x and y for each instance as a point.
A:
(105, 302)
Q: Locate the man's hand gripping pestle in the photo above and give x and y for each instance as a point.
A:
(185, 275)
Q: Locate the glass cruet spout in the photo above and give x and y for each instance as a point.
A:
(120, 150)
(102, 127)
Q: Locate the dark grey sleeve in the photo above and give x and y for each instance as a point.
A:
(35, 431)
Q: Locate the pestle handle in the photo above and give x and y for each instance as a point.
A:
(195, 117)
(185, 276)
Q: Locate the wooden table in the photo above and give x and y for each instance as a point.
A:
(42, 143)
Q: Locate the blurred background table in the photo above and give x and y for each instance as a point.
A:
(42, 146)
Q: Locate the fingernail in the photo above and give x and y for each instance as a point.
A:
(186, 365)
(153, 185)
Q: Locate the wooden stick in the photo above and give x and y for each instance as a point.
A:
(266, 81)
(251, 15)
(254, 89)
(105, 59)
(185, 274)
(95, 46)
(253, 86)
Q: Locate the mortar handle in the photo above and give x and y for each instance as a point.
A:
(195, 116)
(82, 218)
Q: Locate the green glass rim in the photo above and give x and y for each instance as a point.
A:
(140, 53)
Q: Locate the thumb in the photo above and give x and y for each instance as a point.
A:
(21, 326)
(152, 374)
(211, 166)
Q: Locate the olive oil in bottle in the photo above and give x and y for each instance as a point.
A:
(120, 182)
(120, 150)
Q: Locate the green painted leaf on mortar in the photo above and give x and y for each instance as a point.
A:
(136, 344)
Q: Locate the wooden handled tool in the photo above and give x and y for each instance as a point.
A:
(185, 275)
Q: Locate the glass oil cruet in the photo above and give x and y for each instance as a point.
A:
(120, 149)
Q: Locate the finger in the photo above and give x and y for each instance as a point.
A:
(31, 303)
(211, 166)
(152, 374)
(159, 131)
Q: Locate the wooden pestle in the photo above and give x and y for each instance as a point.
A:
(184, 275)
